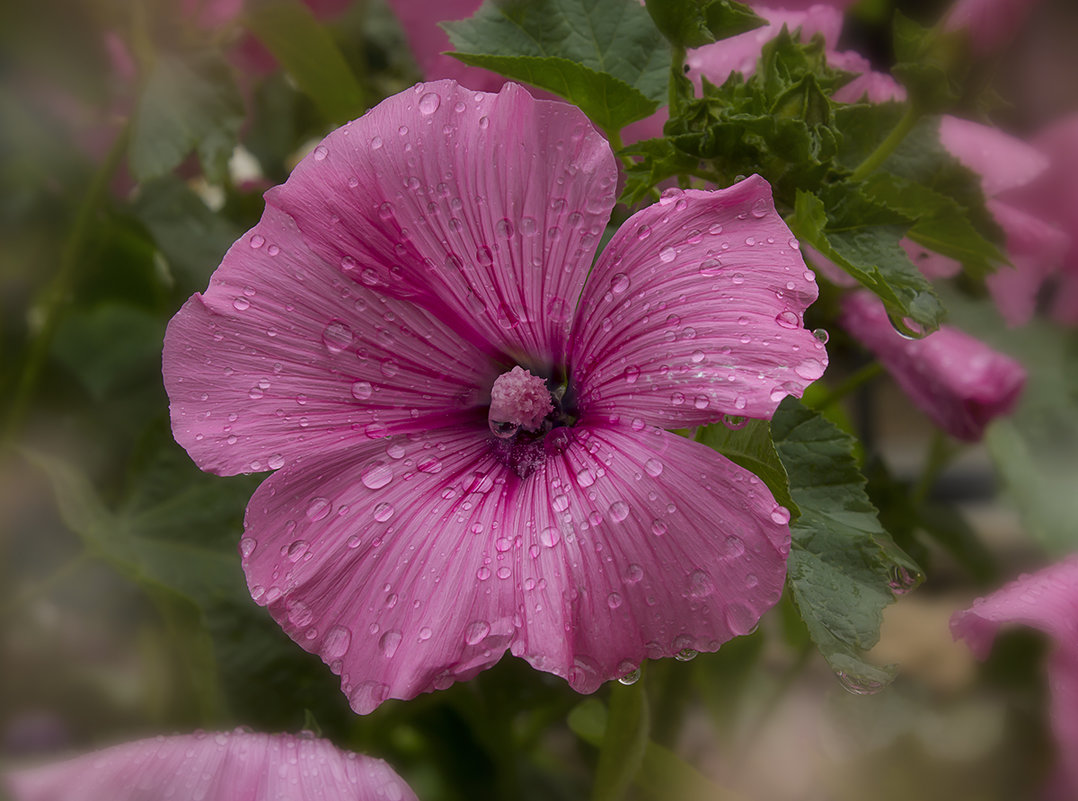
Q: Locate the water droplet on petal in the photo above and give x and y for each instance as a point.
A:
(781, 515)
(361, 390)
(320, 153)
(667, 255)
(275, 462)
(619, 283)
(257, 241)
(700, 584)
(241, 304)
(619, 510)
(390, 642)
(810, 369)
(317, 509)
(336, 642)
(383, 511)
(376, 474)
(337, 336)
(653, 467)
(821, 334)
(429, 103)
(558, 310)
(549, 536)
(788, 319)
(613, 600)
(476, 632)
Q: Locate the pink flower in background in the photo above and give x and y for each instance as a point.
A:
(740, 53)
(419, 19)
(1028, 200)
(1048, 601)
(958, 381)
(991, 23)
(235, 766)
(428, 512)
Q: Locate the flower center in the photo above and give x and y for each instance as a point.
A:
(519, 401)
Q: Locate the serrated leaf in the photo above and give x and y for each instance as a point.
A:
(695, 23)
(843, 566)
(863, 239)
(308, 53)
(609, 102)
(188, 103)
(940, 223)
(751, 447)
(605, 36)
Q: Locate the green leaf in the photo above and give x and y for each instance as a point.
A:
(192, 238)
(623, 744)
(187, 104)
(110, 348)
(843, 567)
(609, 102)
(863, 239)
(941, 224)
(605, 36)
(929, 63)
(695, 23)
(751, 447)
(308, 53)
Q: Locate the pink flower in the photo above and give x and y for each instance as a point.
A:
(958, 381)
(353, 341)
(214, 767)
(1048, 601)
(740, 53)
(990, 23)
(429, 43)
(1029, 202)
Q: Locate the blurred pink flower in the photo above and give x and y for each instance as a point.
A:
(1048, 601)
(353, 340)
(740, 53)
(213, 767)
(958, 381)
(1028, 200)
(991, 23)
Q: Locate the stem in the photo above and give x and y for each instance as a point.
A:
(939, 455)
(45, 585)
(624, 742)
(910, 118)
(862, 376)
(56, 294)
(677, 74)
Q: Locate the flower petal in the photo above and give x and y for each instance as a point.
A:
(283, 356)
(214, 767)
(1048, 601)
(390, 561)
(1002, 161)
(429, 42)
(641, 544)
(694, 310)
(484, 209)
(958, 381)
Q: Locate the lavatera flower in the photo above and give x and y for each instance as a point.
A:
(466, 417)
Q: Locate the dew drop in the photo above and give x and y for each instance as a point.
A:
(317, 509)
(390, 642)
(780, 515)
(336, 642)
(429, 103)
(549, 536)
(700, 584)
(558, 310)
(257, 241)
(821, 334)
(383, 511)
(619, 510)
(275, 462)
(788, 319)
(376, 474)
(476, 632)
(613, 600)
(810, 369)
(629, 676)
(667, 255)
(337, 336)
(320, 153)
(653, 467)
(619, 283)
(361, 390)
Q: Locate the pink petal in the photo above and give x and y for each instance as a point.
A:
(958, 381)
(991, 23)
(640, 544)
(418, 564)
(1002, 161)
(483, 209)
(214, 767)
(694, 310)
(1054, 195)
(284, 355)
(1048, 601)
(392, 561)
(875, 87)
(428, 42)
(931, 264)
(1036, 250)
(740, 53)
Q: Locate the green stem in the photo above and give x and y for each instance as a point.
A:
(771, 703)
(624, 742)
(677, 74)
(939, 456)
(862, 376)
(887, 146)
(56, 295)
(44, 586)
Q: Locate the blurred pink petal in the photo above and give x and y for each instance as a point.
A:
(958, 381)
(729, 339)
(990, 23)
(431, 252)
(1047, 601)
(1002, 161)
(869, 85)
(419, 19)
(214, 767)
